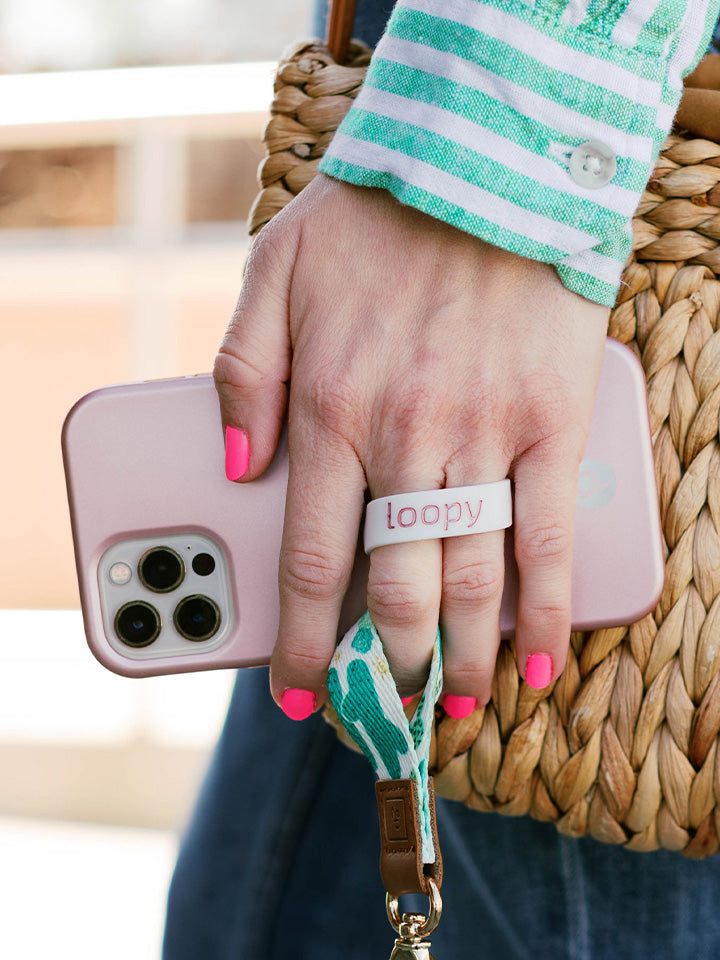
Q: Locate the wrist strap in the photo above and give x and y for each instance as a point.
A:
(365, 698)
(401, 864)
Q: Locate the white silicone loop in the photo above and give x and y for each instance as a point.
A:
(432, 514)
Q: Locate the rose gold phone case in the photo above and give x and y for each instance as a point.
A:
(146, 460)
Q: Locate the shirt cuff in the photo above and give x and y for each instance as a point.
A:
(533, 127)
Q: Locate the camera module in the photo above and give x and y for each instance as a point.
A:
(137, 624)
(161, 569)
(197, 618)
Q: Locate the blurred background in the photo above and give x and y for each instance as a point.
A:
(129, 138)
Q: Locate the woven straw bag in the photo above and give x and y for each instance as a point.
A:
(624, 745)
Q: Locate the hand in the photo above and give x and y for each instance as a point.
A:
(421, 358)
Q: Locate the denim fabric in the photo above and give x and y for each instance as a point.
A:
(280, 860)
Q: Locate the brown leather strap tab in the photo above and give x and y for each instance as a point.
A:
(340, 22)
(401, 866)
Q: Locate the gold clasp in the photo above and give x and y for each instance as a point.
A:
(414, 927)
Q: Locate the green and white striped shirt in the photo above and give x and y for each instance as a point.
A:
(472, 109)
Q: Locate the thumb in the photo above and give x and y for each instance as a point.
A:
(252, 366)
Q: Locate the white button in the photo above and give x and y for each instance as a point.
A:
(592, 164)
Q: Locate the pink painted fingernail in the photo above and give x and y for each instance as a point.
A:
(406, 700)
(538, 670)
(297, 704)
(459, 707)
(237, 452)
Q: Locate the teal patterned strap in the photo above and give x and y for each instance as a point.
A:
(365, 698)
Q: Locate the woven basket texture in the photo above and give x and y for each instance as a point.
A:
(624, 745)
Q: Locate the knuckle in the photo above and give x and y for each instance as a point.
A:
(547, 408)
(470, 675)
(482, 416)
(331, 400)
(403, 604)
(476, 670)
(474, 584)
(233, 372)
(268, 249)
(486, 421)
(551, 544)
(310, 573)
(223, 368)
(410, 407)
(303, 660)
(551, 619)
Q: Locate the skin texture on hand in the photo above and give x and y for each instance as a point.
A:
(415, 357)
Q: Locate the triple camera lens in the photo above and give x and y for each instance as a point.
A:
(162, 570)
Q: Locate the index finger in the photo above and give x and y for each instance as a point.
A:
(324, 506)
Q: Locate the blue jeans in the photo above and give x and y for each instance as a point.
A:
(281, 859)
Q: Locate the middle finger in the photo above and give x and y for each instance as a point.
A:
(473, 578)
(404, 580)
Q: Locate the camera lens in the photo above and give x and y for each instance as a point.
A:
(197, 618)
(161, 569)
(137, 624)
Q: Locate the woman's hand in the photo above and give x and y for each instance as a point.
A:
(418, 357)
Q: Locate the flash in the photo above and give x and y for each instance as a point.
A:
(120, 574)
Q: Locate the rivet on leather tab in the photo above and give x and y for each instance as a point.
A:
(401, 865)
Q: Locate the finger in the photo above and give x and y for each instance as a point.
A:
(404, 602)
(253, 363)
(545, 489)
(473, 578)
(404, 580)
(322, 516)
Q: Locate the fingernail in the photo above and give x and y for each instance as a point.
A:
(538, 670)
(459, 707)
(297, 704)
(237, 453)
(406, 700)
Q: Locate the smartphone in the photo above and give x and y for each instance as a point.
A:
(177, 566)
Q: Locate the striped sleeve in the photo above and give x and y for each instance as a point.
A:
(475, 112)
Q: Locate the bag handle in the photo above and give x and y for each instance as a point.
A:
(341, 18)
